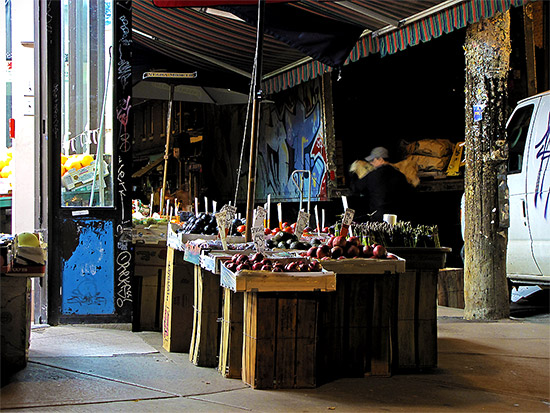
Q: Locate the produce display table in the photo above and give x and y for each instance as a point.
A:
(356, 322)
(280, 342)
(416, 315)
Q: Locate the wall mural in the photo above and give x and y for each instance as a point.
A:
(291, 138)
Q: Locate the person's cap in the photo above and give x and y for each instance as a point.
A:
(378, 152)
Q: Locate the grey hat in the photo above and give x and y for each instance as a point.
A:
(378, 152)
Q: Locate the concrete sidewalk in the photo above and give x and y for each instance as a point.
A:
(483, 366)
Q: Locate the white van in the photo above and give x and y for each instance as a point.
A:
(528, 130)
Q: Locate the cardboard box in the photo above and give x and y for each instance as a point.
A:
(74, 178)
(177, 321)
(150, 255)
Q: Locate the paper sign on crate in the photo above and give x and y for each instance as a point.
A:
(257, 230)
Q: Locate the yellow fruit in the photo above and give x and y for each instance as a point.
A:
(63, 170)
(9, 155)
(86, 160)
(63, 159)
(73, 164)
(6, 171)
(2, 164)
(27, 239)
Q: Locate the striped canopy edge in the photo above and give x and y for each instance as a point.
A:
(426, 29)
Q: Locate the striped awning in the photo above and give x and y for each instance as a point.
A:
(210, 40)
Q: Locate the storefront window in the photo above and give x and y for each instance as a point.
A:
(87, 90)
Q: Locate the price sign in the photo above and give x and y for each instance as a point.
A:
(301, 223)
(346, 221)
(221, 219)
(257, 230)
(231, 212)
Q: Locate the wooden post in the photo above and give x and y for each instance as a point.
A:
(251, 192)
(487, 61)
(530, 49)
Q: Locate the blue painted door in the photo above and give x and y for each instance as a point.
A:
(88, 271)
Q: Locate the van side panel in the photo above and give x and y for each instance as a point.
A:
(538, 185)
(520, 258)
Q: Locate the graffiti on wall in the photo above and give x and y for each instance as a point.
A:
(291, 138)
(123, 260)
(88, 271)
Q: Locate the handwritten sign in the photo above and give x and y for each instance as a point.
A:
(221, 219)
(301, 223)
(257, 230)
(346, 221)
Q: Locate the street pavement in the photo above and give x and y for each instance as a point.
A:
(493, 366)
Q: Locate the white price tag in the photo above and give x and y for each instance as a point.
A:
(348, 217)
(221, 219)
(301, 223)
(257, 230)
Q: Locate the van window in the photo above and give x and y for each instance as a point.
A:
(517, 136)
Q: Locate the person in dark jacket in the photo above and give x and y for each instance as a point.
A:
(385, 188)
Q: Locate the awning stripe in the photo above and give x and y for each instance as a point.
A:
(433, 26)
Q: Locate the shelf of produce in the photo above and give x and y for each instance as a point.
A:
(416, 315)
(267, 281)
(365, 266)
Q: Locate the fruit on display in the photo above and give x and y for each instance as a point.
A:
(200, 224)
(76, 162)
(27, 239)
(5, 165)
(258, 262)
(339, 247)
(286, 240)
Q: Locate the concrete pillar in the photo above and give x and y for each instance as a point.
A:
(487, 52)
(24, 162)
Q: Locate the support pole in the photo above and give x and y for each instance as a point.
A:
(487, 60)
(251, 193)
(167, 149)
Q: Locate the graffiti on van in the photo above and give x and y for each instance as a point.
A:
(543, 155)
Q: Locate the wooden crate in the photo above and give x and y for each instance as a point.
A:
(264, 281)
(417, 308)
(231, 337)
(280, 339)
(356, 327)
(177, 321)
(450, 287)
(203, 350)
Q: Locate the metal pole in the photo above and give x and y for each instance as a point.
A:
(167, 149)
(255, 121)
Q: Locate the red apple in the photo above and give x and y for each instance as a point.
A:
(379, 251)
